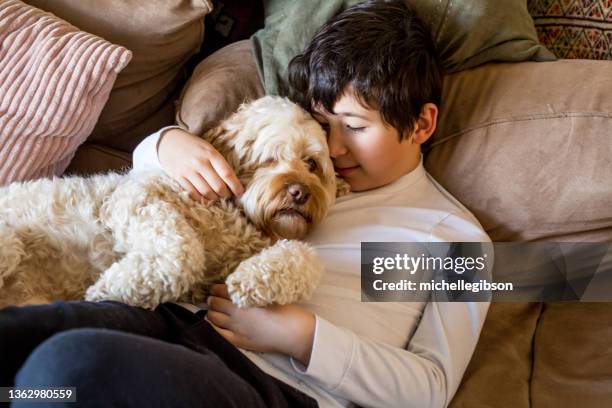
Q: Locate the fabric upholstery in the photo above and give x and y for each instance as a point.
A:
(54, 82)
(467, 33)
(91, 158)
(574, 28)
(218, 86)
(499, 373)
(163, 35)
(526, 147)
(572, 364)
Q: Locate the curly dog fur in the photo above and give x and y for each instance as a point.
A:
(137, 238)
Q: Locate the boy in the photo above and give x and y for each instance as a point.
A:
(371, 77)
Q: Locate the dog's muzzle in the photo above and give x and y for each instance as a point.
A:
(298, 192)
(294, 212)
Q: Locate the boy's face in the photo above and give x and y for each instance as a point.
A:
(365, 150)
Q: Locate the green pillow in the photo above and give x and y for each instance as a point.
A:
(467, 33)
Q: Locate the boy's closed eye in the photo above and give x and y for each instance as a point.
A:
(355, 129)
(326, 125)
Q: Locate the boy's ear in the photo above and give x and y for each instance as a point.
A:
(426, 124)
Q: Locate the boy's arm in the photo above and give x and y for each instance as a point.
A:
(193, 162)
(427, 374)
(145, 155)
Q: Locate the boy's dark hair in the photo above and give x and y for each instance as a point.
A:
(380, 48)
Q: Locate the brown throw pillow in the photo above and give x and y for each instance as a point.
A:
(163, 35)
(218, 85)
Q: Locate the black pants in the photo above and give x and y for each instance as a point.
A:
(121, 356)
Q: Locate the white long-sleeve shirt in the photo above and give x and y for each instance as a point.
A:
(386, 354)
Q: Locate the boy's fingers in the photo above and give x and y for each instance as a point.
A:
(202, 186)
(187, 186)
(219, 304)
(227, 174)
(219, 319)
(220, 290)
(216, 183)
(226, 334)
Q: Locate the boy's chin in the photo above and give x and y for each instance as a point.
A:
(363, 182)
(360, 185)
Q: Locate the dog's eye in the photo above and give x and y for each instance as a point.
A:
(312, 164)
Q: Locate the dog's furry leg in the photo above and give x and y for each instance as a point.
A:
(11, 251)
(284, 273)
(138, 280)
(342, 187)
(164, 259)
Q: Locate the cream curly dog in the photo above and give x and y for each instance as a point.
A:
(137, 238)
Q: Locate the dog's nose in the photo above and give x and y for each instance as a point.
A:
(298, 192)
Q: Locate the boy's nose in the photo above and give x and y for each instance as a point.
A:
(335, 143)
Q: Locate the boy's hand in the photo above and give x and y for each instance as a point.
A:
(285, 329)
(197, 166)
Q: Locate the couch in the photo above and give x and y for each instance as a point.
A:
(526, 147)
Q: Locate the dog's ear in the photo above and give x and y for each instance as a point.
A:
(221, 139)
(342, 187)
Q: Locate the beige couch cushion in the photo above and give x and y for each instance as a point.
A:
(498, 374)
(218, 85)
(572, 364)
(163, 35)
(526, 147)
(54, 82)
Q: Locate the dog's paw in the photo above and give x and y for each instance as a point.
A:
(246, 292)
(284, 273)
(97, 293)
